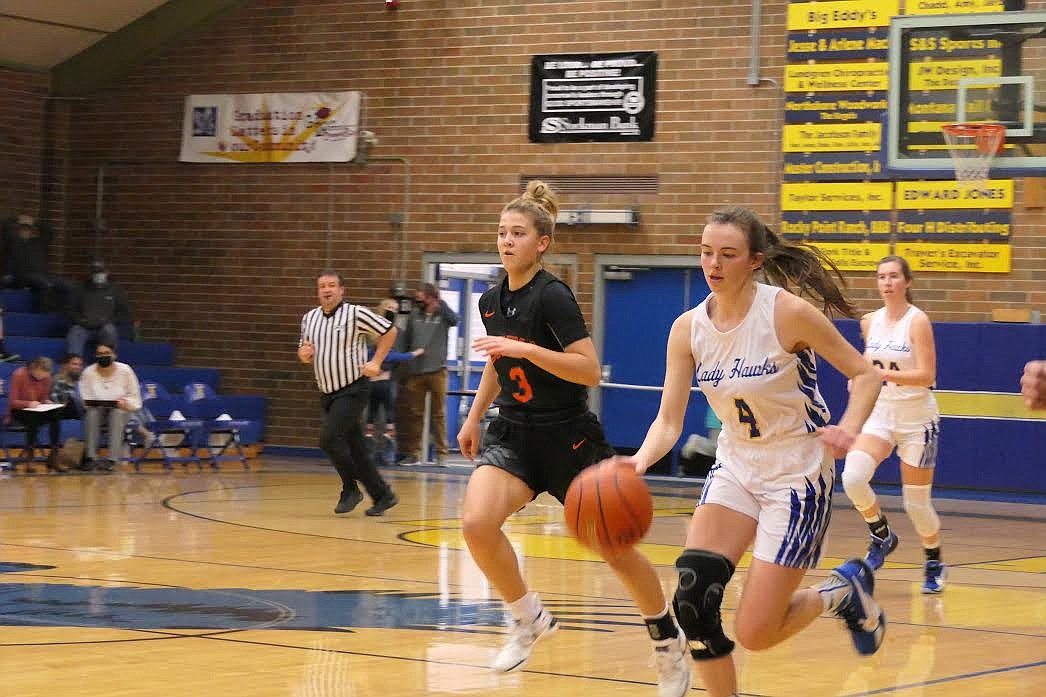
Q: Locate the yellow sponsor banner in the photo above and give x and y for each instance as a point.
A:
(994, 193)
(985, 405)
(854, 256)
(842, 14)
(837, 77)
(842, 196)
(951, 7)
(831, 137)
(945, 75)
(939, 256)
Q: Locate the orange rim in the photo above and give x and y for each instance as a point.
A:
(988, 137)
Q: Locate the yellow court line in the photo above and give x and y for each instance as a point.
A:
(566, 548)
(990, 405)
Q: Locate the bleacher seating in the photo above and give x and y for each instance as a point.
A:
(32, 334)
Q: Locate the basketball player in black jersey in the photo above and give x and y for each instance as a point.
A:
(541, 361)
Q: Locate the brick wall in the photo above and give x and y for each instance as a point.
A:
(21, 140)
(221, 258)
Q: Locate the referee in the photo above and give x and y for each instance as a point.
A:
(332, 339)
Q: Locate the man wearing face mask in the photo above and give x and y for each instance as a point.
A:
(109, 389)
(427, 328)
(100, 306)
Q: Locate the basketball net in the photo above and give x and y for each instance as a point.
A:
(973, 147)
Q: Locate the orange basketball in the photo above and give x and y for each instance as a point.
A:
(608, 507)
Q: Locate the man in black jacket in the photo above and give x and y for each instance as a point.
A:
(100, 306)
(25, 251)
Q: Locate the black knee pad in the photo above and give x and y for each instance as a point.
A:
(702, 577)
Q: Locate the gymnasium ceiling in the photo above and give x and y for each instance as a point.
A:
(84, 43)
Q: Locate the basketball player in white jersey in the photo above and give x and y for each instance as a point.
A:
(898, 340)
(752, 348)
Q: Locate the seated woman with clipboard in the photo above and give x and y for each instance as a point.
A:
(109, 389)
(29, 406)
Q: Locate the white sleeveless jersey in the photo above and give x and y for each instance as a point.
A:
(762, 393)
(889, 346)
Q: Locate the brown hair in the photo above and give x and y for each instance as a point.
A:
(42, 363)
(787, 264)
(540, 204)
(906, 271)
(429, 290)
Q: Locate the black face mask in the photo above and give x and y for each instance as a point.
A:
(104, 361)
(390, 315)
(74, 374)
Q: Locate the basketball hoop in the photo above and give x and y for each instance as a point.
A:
(973, 146)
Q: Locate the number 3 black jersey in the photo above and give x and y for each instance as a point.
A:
(542, 312)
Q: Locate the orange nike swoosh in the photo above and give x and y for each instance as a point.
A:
(488, 314)
(577, 445)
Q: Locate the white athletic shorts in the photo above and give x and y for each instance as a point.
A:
(786, 489)
(912, 428)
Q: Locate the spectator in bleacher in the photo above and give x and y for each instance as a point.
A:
(99, 308)
(25, 251)
(333, 341)
(427, 328)
(5, 357)
(109, 389)
(29, 393)
(65, 388)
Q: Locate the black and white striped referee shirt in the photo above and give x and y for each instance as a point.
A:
(340, 343)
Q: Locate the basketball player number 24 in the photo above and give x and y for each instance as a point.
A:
(526, 392)
(745, 416)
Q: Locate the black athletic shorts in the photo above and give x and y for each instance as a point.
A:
(546, 456)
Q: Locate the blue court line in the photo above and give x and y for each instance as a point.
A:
(938, 681)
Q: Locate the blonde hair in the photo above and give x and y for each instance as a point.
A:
(539, 203)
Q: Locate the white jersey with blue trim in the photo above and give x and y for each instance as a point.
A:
(889, 346)
(761, 392)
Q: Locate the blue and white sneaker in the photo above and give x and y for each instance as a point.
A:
(935, 573)
(864, 618)
(879, 549)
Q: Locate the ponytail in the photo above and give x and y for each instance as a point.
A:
(789, 265)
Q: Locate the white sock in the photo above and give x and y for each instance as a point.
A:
(526, 608)
(658, 615)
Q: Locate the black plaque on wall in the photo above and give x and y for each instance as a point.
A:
(592, 97)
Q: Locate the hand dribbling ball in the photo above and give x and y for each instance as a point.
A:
(608, 507)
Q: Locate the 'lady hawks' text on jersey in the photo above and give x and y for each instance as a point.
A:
(889, 346)
(761, 392)
(542, 312)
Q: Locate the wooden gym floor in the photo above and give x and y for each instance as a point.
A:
(245, 583)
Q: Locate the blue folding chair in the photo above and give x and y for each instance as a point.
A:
(167, 436)
(222, 432)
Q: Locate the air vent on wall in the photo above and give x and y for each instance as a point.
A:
(595, 184)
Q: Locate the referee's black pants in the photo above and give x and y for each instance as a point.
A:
(342, 439)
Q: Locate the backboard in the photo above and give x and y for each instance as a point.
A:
(984, 67)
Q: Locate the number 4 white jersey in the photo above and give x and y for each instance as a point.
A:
(762, 393)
